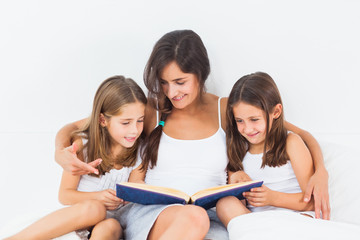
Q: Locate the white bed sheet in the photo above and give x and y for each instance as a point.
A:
(342, 163)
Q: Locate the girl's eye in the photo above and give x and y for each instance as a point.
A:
(162, 82)
(180, 83)
(239, 120)
(140, 121)
(254, 119)
(125, 123)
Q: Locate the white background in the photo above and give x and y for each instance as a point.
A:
(54, 55)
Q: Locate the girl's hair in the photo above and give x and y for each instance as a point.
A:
(186, 49)
(259, 90)
(112, 95)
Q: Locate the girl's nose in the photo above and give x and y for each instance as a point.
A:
(247, 128)
(134, 128)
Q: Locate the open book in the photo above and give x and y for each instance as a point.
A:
(207, 198)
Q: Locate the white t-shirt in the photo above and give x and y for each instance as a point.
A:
(90, 183)
(281, 179)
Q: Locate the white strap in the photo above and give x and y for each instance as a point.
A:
(219, 111)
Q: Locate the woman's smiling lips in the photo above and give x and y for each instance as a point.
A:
(178, 98)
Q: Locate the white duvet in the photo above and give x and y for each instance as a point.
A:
(343, 165)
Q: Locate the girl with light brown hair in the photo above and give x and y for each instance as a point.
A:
(113, 134)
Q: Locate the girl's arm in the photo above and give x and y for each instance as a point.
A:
(69, 195)
(65, 155)
(302, 165)
(318, 183)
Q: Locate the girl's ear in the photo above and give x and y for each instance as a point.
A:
(277, 111)
(102, 120)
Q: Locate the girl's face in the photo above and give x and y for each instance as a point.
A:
(126, 127)
(251, 123)
(181, 88)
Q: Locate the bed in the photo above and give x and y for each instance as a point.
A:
(342, 163)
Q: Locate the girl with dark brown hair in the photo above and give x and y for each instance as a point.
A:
(259, 144)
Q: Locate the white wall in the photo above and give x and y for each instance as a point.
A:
(54, 54)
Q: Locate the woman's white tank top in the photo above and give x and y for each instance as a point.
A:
(190, 165)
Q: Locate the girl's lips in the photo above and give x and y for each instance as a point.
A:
(130, 139)
(253, 135)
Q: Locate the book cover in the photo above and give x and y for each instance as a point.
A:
(207, 198)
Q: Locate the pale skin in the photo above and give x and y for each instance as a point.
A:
(191, 118)
(299, 155)
(89, 208)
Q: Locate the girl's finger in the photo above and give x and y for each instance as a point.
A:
(258, 189)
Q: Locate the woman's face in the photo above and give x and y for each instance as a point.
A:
(181, 88)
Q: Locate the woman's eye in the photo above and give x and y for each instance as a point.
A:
(180, 83)
(254, 120)
(140, 121)
(125, 123)
(163, 82)
(239, 121)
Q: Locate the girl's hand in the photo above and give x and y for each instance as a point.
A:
(71, 163)
(318, 186)
(259, 197)
(109, 199)
(239, 176)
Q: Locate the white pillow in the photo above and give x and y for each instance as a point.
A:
(343, 165)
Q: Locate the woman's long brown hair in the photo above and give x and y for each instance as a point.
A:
(113, 93)
(259, 90)
(187, 50)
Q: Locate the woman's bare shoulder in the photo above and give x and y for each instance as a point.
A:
(223, 104)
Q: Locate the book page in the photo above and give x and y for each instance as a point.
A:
(158, 189)
(217, 189)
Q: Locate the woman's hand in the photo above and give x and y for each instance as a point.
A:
(69, 161)
(260, 196)
(109, 199)
(318, 186)
(237, 177)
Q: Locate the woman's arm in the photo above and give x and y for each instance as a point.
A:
(318, 183)
(137, 175)
(65, 153)
(302, 165)
(237, 177)
(150, 119)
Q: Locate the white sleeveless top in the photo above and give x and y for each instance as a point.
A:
(89, 183)
(190, 165)
(281, 179)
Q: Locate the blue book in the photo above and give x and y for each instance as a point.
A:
(207, 198)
